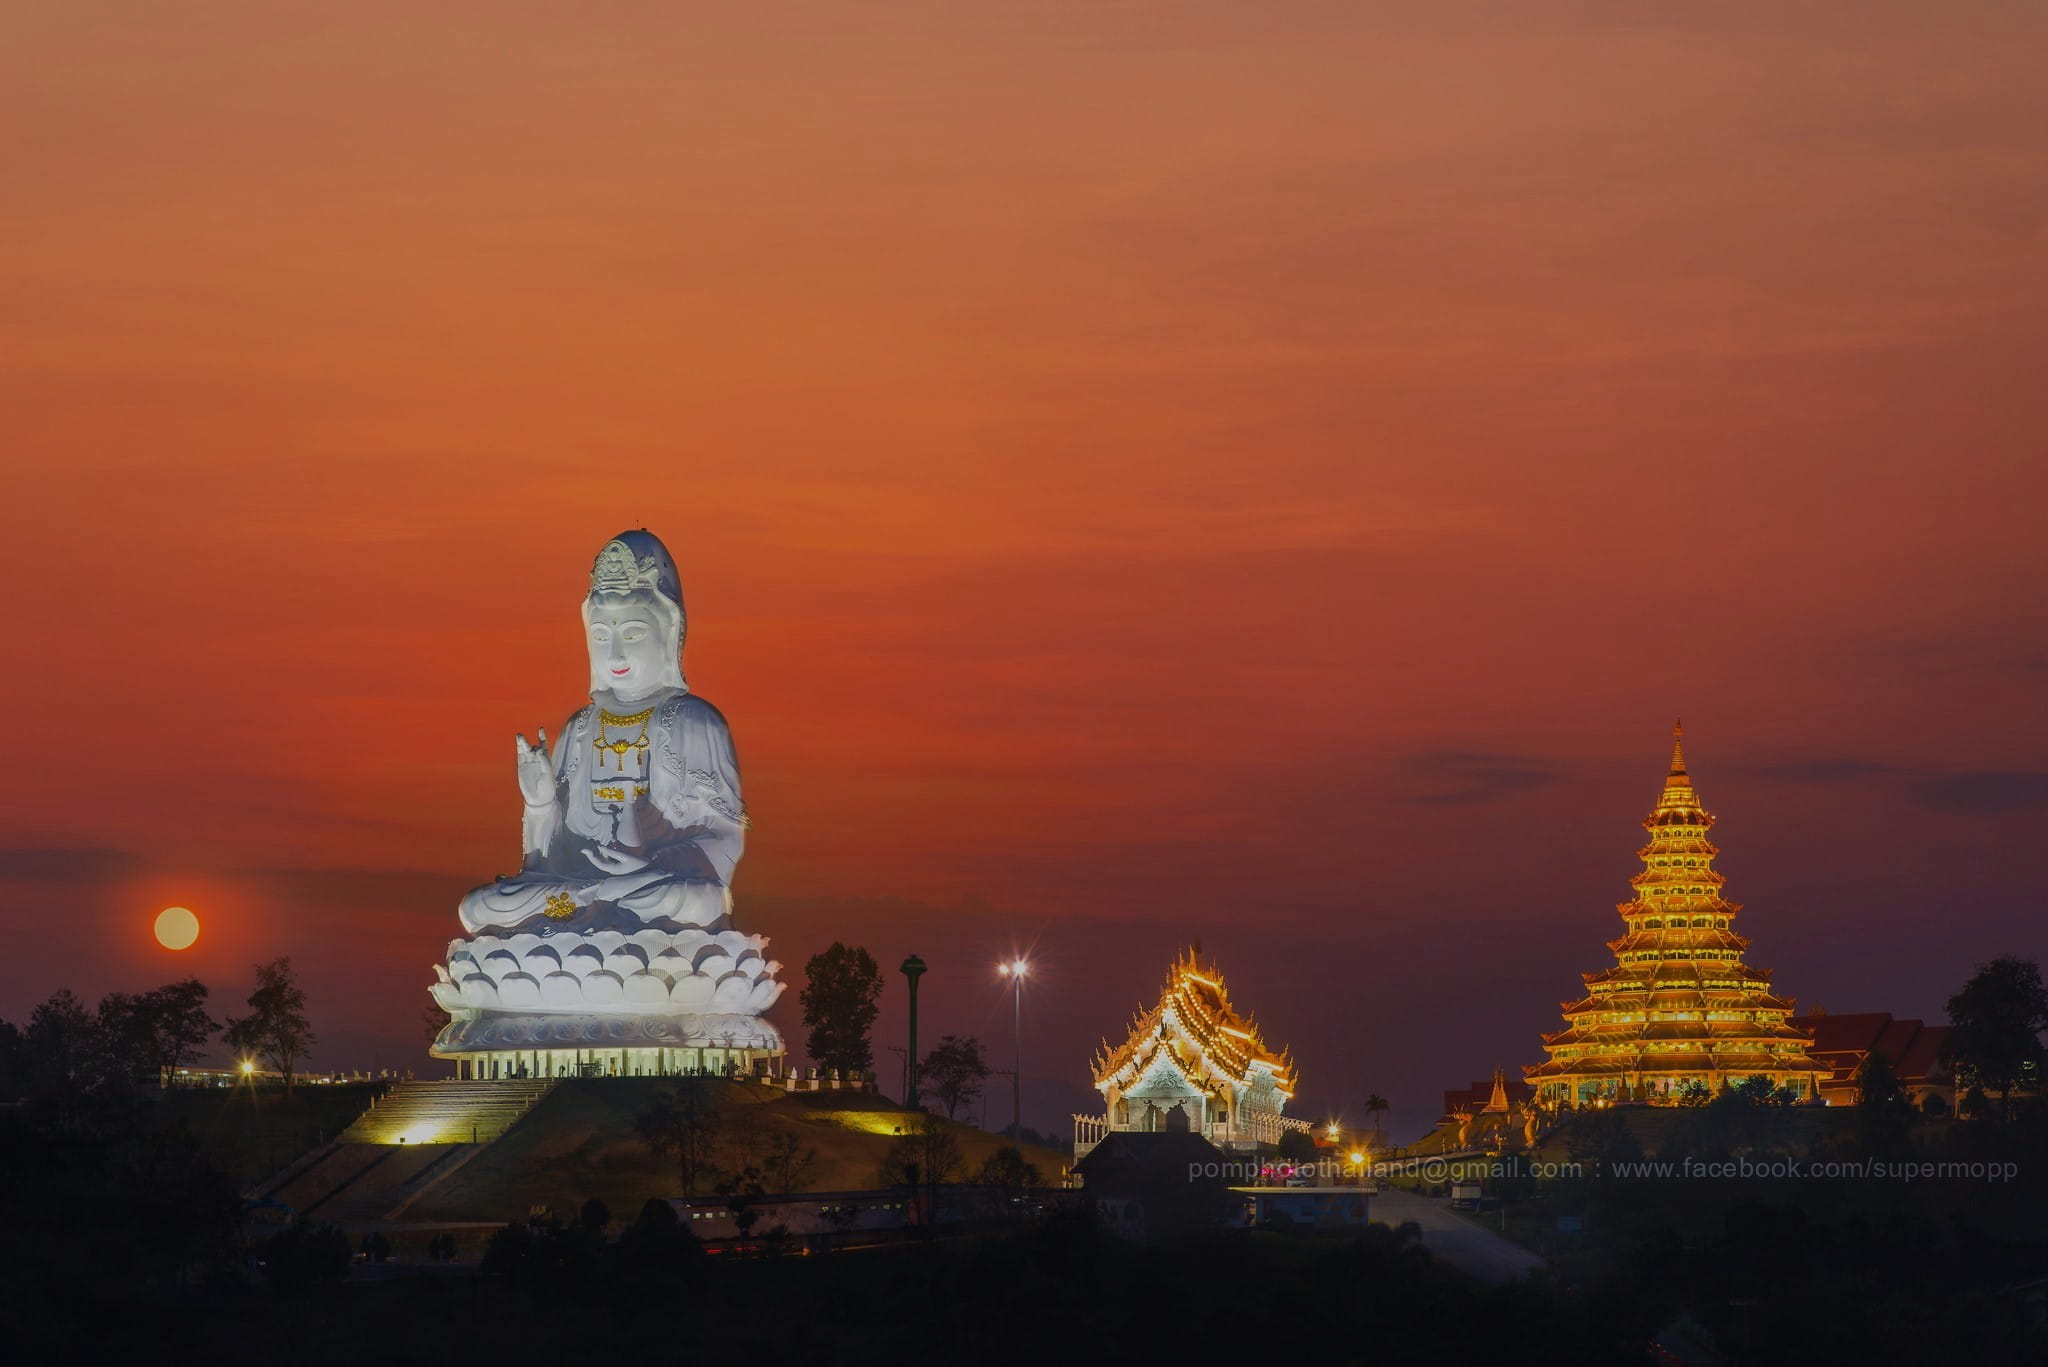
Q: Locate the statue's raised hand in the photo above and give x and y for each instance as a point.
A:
(536, 772)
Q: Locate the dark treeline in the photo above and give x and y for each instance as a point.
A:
(1053, 1291)
(126, 1240)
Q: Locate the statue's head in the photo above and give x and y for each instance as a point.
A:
(633, 618)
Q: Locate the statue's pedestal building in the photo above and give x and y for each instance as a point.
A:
(1679, 1005)
(612, 950)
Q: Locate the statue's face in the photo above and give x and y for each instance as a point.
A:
(627, 649)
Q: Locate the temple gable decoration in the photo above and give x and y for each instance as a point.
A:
(1192, 1062)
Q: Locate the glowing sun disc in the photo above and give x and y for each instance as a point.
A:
(176, 928)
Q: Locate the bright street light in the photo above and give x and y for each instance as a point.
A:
(1014, 971)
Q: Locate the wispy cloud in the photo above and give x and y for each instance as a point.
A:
(1839, 769)
(1452, 777)
(91, 863)
(1984, 792)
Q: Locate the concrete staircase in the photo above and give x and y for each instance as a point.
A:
(410, 1140)
(445, 1112)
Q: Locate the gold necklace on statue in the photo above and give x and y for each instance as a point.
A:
(618, 747)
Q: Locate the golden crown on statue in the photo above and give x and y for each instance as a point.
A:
(618, 570)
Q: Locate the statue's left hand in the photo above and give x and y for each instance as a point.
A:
(614, 860)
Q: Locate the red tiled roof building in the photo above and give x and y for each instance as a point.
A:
(1843, 1040)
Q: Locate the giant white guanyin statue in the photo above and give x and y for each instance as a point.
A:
(612, 947)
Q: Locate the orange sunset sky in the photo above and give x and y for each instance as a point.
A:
(1267, 474)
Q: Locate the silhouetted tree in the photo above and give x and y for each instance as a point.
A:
(179, 1025)
(788, 1161)
(657, 1246)
(1296, 1147)
(10, 1061)
(841, 986)
(1884, 1113)
(953, 1072)
(1600, 1138)
(1377, 1106)
(924, 1157)
(1009, 1177)
(1058, 1143)
(741, 1190)
(71, 1073)
(159, 1030)
(1996, 1023)
(276, 1028)
(682, 1122)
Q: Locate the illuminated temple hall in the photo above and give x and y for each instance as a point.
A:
(1192, 1063)
(1679, 1005)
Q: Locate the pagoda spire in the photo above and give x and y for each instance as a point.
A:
(1678, 789)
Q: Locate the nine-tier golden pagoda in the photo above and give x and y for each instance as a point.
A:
(1680, 1005)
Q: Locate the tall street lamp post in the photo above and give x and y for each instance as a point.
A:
(1014, 971)
(913, 968)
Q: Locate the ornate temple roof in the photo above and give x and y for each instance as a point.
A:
(1209, 1041)
(1678, 1000)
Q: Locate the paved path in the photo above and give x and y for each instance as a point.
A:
(1479, 1253)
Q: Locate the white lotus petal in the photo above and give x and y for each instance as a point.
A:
(561, 989)
(604, 987)
(651, 988)
(518, 989)
(693, 992)
(731, 992)
(477, 990)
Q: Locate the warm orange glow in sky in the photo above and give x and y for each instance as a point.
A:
(1267, 474)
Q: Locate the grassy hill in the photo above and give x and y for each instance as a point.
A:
(252, 1134)
(579, 1143)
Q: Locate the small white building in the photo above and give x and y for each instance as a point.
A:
(1192, 1063)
